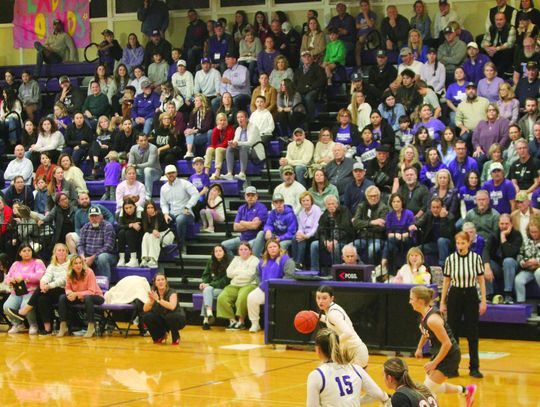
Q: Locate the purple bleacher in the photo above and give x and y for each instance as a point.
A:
(184, 167)
(193, 230)
(118, 273)
(156, 188)
(229, 187)
(197, 299)
(54, 70)
(86, 167)
(275, 147)
(508, 314)
(169, 253)
(96, 188)
(110, 205)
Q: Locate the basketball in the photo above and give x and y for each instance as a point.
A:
(305, 322)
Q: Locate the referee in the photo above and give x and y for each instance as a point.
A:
(462, 272)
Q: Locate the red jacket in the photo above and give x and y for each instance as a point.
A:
(7, 217)
(221, 138)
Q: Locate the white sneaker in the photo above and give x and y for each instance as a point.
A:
(188, 155)
(144, 262)
(121, 260)
(33, 330)
(241, 176)
(152, 263)
(255, 327)
(15, 329)
(227, 177)
(133, 262)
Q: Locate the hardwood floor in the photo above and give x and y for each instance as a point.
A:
(113, 371)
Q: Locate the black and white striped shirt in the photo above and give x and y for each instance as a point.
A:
(463, 270)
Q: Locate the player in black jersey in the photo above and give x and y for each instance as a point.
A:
(444, 348)
(407, 392)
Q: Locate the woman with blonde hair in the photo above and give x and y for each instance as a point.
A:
(416, 44)
(280, 72)
(360, 109)
(275, 263)
(322, 154)
(221, 135)
(495, 154)
(508, 104)
(102, 143)
(199, 128)
(414, 272)
(51, 287)
(408, 157)
(444, 189)
(81, 288)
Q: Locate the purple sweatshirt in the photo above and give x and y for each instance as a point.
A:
(113, 171)
(271, 270)
(487, 133)
(395, 225)
(265, 61)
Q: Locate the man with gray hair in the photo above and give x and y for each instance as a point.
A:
(485, 218)
(339, 170)
(145, 158)
(349, 255)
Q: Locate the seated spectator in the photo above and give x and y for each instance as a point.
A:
(49, 140)
(218, 45)
(292, 40)
(232, 301)
(20, 165)
(523, 172)
(433, 72)
(403, 134)
(368, 223)
(477, 241)
(199, 128)
(455, 93)
(345, 24)
(407, 94)
(95, 105)
(61, 117)
(129, 235)
(383, 73)
(246, 143)
(394, 29)
(366, 150)
(339, 170)
(431, 167)
(289, 188)
(422, 142)
(390, 111)
(78, 138)
(437, 230)
(501, 190)
(157, 43)
(221, 135)
(235, 80)
(201, 182)
(382, 171)
(531, 116)
(19, 192)
(335, 231)
(452, 52)
(250, 48)
(138, 80)
(10, 82)
(323, 152)
(321, 188)
(162, 312)
(269, 92)
(158, 70)
(101, 144)
(261, 28)
(413, 192)
(488, 87)
(444, 189)
(29, 95)
(10, 114)
(228, 108)
(57, 48)
(164, 138)
(157, 234)
(461, 165)
(182, 82)
(499, 42)
(408, 62)
(421, 21)
(492, 130)
(214, 280)
(5, 213)
(213, 211)
(130, 188)
(40, 195)
(46, 168)
(496, 156)
(133, 53)
(144, 107)
(309, 82)
(249, 221)
(30, 270)
(467, 193)
(308, 219)
(527, 87)
(414, 271)
(177, 199)
(291, 112)
(529, 261)
(262, 118)
(345, 132)
(51, 287)
(524, 214)
(469, 112)
(508, 105)
(274, 264)
(334, 55)
(280, 72)
(61, 216)
(361, 110)
(485, 218)
(207, 79)
(266, 58)
(281, 223)
(314, 40)
(355, 192)
(474, 63)
(416, 44)
(349, 255)
(106, 82)
(446, 148)
(500, 256)
(525, 52)
(299, 155)
(97, 243)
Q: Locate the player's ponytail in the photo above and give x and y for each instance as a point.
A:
(423, 293)
(328, 343)
(399, 371)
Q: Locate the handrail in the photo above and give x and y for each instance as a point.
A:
(228, 232)
(267, 159)
(85, 52)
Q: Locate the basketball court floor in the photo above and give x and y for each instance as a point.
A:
(218, 368)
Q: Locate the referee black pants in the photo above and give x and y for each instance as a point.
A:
(463, 318)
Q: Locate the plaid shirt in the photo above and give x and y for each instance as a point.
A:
(95, 241)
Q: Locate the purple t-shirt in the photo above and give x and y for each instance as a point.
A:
(456, 93)
(367, 152)
(468, 196)
(112, 171)
(535, 198)
(200, 181)
(435, 128)
(501, 195)
(343, 135)
(248, 214)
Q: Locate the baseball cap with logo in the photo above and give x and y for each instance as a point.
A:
(277, 197)
(146, 83)
(62, 79)
(496, 166)
(181, 62)
(287, 169)
(521, 196)
(94, 210)
(251, 190)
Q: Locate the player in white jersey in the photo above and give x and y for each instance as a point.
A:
(338, 321)
(337, 382)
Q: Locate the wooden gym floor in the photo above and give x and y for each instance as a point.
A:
(113, 371)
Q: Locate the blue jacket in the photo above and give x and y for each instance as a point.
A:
(145, 106)
(284, 225)
(218, 48)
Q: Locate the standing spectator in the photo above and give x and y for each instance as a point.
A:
(345, 24)
(57, 48)
(154, 16)
(394, 29)
(309, 81)
(177, 198)
(194, 40)
(157, 44)
(218, 46)
(421, 21)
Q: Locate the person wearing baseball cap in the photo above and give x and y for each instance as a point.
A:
(235, 79)
(501, 190)
(218, 46)
(452, 52)
(474, 63)
(290, 189)
(207, 79)
(355, 192)
(443, 17)
(249, 221)
(383, 73)
(109, 51)
(182, 80)
(281, 223)
(144, 107)
(159, 44)
(299, 155)
(71, 96)
(309, 80)
(470, 112)
(528, 86)
(57, 48)
(177, 198)
(194, 39)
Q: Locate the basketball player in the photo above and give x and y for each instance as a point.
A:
(337, 382)
(407, 392)
(444, 348)
(338, 321)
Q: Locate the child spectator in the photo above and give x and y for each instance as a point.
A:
(113, 171)
(213, 211)
(334, 55)
(404, 134)
(262, 118)
(201, 181)
(40, 195)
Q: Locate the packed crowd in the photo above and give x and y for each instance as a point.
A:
(447, 140)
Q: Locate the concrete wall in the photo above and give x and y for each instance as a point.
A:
(473, 15)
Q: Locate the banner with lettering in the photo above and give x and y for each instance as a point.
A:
(33, 21)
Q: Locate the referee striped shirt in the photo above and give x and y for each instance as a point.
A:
(463, 270)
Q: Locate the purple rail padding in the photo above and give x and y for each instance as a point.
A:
(508, 314)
